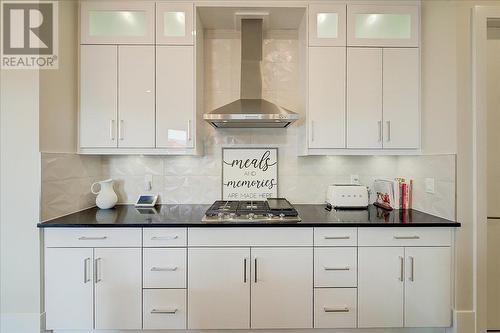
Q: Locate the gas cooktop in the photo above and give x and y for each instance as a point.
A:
(271, 210)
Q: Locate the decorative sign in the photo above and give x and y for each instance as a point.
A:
(249, 173)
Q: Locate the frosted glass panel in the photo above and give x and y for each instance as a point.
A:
(117, 23)
(174, 24)
(383, 26)
(327, 25)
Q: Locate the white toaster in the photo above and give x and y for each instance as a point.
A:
(347, 196)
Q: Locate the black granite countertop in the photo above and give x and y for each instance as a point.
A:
(191, 215)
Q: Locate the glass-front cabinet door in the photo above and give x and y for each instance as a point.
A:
(113, 22)
(174, 23)
(327, 25)
(373, 25)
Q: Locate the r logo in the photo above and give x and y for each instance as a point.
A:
(28, 28)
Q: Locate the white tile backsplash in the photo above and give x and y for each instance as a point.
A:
(183, 180)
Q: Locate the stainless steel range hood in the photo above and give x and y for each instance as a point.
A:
(251, 111)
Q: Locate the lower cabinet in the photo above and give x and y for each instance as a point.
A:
(412, 283)
(89, 288)
(335, 307)
(164, 309)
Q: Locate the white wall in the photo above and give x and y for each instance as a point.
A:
(19, 202)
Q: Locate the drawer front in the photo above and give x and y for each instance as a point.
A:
(250, 237)
(164, 309)
(164, 268)
(164, 237)
(93, 237)
(404, 236)
(335, 307)
(335, 237)
(335, 267)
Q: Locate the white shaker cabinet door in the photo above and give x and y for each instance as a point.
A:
(118, 288)
(401, 98)
(218, 288)
(69, 288)
(175, 97)
(380, 286)
(282, 288)
(174, 23)
(364, 98)
(427, 287)
(98, 96)
(327, 68)
(136, 100)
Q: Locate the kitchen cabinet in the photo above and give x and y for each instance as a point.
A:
(219, 288)
(164, 309)
(380, 279)
(69, 288)
(326, 106)
(327, 25)
(282, 295)
(383, 109)
(174, 23)
(118, 288)
(117, 22)
(175, 97)
(335, 308)
(98, 96)
(384, 26)
(136, 100)
(428, 287)
(364, 98)
(401, 100)
(117, 96)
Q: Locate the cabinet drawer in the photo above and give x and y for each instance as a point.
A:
(164, 309)
(164, 268)
(164, 237)
(404, 236)
(93, 237)
(335, 308)
(335, 267)
(250, 237)
(335, 237)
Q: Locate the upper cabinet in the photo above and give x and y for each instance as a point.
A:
(374, 25)
(174, 23)
(119, 22)
(327, 25)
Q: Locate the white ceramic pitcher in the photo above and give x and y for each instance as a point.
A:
(106, 196)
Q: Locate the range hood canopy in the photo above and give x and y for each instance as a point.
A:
(251, 111)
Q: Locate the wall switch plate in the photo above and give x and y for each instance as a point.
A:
(148, 182)
(355, 179)
(429, 185)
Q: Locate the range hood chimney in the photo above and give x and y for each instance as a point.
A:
(251, 111)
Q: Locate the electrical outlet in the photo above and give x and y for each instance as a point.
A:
(430, 186)
(148, 182)
(355, 179)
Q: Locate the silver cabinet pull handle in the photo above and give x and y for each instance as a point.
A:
(86, 270)
(388, 131)
(401, 272)
(189, 130)
(158, 311)
(164, 269)
(407, 237)
(341, 309)
(337, 237)
(347, 268)
(245, 270)
(165, 237)
(92, 238)
(97, 270)
(120, 130)
(255, 270)
(112, 129)
(412, 272)
(380, 130)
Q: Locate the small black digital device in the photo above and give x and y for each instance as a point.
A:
(146, 200)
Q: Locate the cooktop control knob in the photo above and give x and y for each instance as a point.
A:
(232, 215)
(220, 215)
(250, 215)
(282, 216)
(270, 215)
